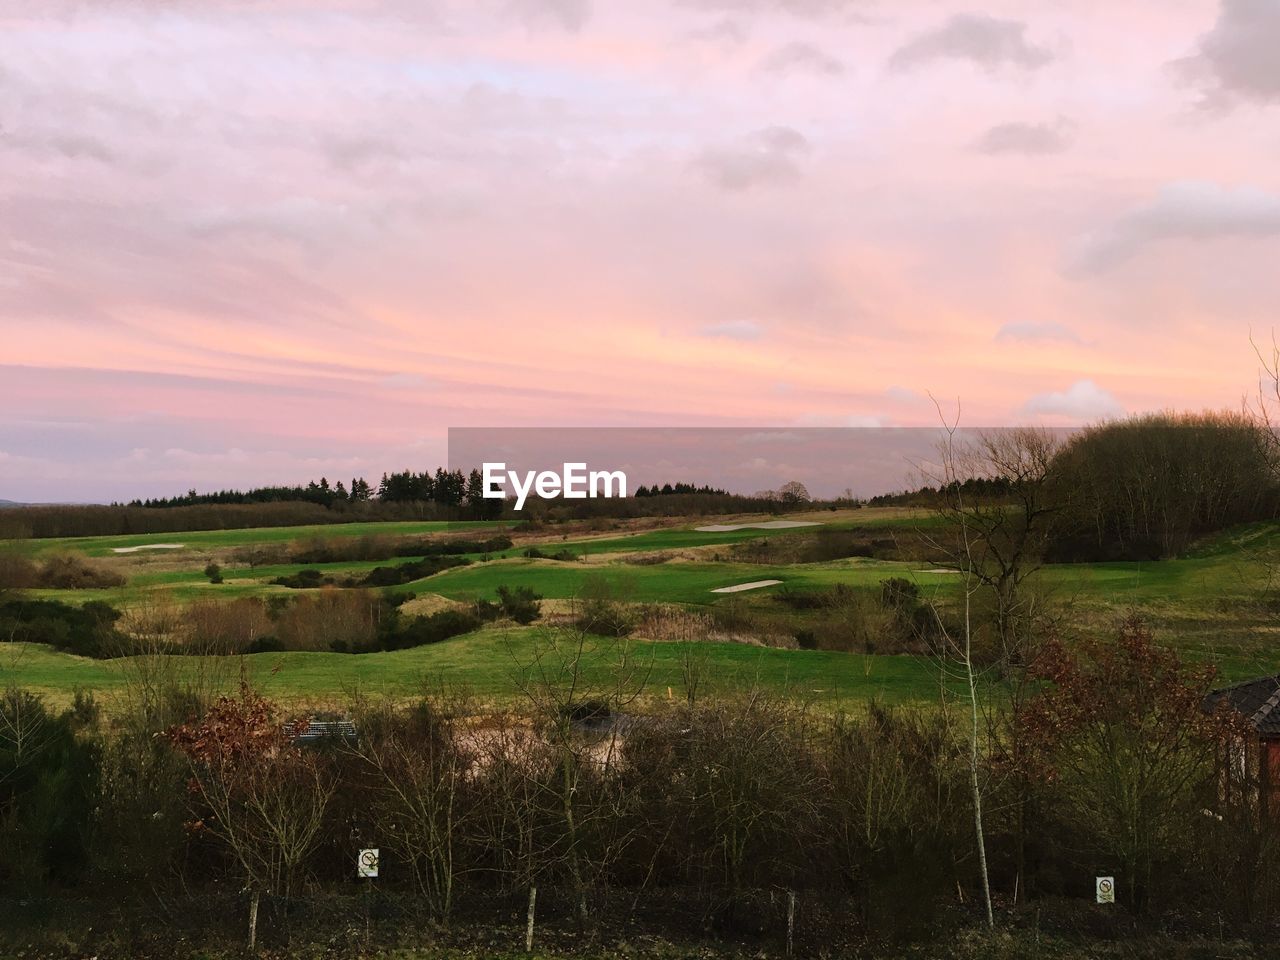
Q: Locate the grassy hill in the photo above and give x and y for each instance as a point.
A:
(1211, 604)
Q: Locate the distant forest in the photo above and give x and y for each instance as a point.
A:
(1140, 488)
(440, 495)
(451, 488)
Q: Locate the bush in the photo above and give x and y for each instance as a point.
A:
(47, 785)
(331, 620)
(213, 572)
(17, 572)
(303, 580)
(408, 572)
(226, 627)
(521, 604)
(341, 549)
(88, 630)
(803, 599)
(259, 555)
(602, 606)
(402, 632)
(72, 571)
(898, 593)
(533, 553)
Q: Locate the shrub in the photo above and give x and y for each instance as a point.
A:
(803, 599)
(601, 612)
(330, 620)
(88, 630)
(1121, 731)
(898, 593)
(259, 554)
(17, 572)
(408, 572)
(521, 604)
(376, 547)
(402, 632)
(565, 554)
(213, 572)
(47, 785)
(303, 580)
(72, 571)
(222, 627)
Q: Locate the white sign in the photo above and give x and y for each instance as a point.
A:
(1106, 889)
(367, 863)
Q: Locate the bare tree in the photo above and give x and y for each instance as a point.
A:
(420, 767)
(957, 648)
(578, 686)
(256, 791)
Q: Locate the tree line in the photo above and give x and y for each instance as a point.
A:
(1143, 488)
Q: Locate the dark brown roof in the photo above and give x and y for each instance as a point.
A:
(1259, 700)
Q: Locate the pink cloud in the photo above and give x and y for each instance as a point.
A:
(318, 233)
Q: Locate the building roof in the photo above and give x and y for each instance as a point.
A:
(1259, 700)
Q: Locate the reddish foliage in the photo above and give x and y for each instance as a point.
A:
(238, 739)
(1128, 681)
(235, 729)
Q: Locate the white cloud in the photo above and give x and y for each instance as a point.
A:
(987, 41)
(1083, 400)
(1188, 210)
(1029, 139)
(766, 157)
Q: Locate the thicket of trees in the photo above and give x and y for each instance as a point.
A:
(668, 489)
(1145, 487)
(1136, 489)
(694, 813)
(320, 493)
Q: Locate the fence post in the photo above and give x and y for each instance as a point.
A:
(791, 919)
(253, 920)
(528, 930)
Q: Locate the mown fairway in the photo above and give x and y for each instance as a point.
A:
(210, 539)
(491, 664)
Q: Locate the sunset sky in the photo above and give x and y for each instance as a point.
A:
(251, 242)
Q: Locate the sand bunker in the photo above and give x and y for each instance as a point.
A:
(765, 525)
(939, 570)
(149, 546)
(753, 585)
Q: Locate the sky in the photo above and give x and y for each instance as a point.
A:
(260, 242)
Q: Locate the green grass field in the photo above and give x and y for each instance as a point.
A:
(210, 539)
(491, 663)
(1208, 604)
